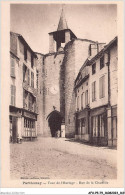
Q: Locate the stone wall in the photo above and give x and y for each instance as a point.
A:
(69, 89)
(53, 85)
(40, 117)
(76, 52)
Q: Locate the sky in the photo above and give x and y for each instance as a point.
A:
(97, 22)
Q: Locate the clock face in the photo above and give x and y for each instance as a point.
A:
(54, 89)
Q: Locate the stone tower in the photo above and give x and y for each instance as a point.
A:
(53, 74)
(59, 69)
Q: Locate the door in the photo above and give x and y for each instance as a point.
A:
(114, 127)
(14, 129)
(102, 136)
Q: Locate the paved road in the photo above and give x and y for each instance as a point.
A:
(58, 158)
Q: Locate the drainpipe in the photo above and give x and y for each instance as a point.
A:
(108, 64)
(109, 96)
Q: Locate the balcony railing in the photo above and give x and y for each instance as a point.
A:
(30, 89)
(31, 109)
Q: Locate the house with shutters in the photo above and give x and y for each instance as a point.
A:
(96, 94)
(23, 89)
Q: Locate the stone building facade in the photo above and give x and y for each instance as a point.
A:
(97, 120)
(23, 90)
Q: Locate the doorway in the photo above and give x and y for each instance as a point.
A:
(13, 129)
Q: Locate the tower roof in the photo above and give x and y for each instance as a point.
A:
(62, 22)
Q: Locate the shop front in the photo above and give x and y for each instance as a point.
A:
(98, 126)
(82, 125)
(23, 124)
(112, 125)
(29, 131)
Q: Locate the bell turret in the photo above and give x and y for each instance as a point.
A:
(62, 36)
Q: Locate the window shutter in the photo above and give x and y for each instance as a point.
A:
(103, 86)
(86, 97)
(12, 67)
(95, 90)
(23, 98)
(92, 91)
(32, 79)
(11, 95)
(14, 95)
(100, 87)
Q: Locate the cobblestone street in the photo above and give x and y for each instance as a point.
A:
(54, 158)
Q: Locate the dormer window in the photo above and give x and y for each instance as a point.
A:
(94, 68)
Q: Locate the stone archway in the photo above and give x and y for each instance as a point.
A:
(55, 120)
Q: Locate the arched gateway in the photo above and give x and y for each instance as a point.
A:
(55, 119)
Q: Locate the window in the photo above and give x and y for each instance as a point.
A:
(25, 54)
(37, 75)
(32, 79)
(99, 125)
(78, 103)
(94, 68)
(13, 95)
(25, 99)
(102, 125)
(25, 79)
(32, 61)
(12, 71)
(30, 102)
(101, 62)
(102, 87)
(21, 46)
(93, 91)
(95, 126)
(28, 74)
(86, 97)
(83, 126)
(24, 72)
(35, 107)
(29, 128)
(82, 101)
(28, 56)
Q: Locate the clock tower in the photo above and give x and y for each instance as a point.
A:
(53, 73)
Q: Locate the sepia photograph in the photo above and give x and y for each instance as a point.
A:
(63, 98)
